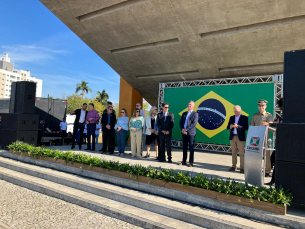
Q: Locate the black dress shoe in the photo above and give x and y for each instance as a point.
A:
(267, 175)
(162, 160)
(102, 150)
(110, 152)
(92, 149)
(72, 147)
(80, 147)
(182, 163)
(88, 149)
(170, 161)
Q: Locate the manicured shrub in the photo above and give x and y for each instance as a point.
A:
(230, 187)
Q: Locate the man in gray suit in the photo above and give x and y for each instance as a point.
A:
(188, 124)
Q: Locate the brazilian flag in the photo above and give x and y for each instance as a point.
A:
(215, 105)
(214, 113)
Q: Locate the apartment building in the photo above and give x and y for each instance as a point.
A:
(8, 75)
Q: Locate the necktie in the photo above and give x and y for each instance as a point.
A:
(164, 116)
(187, 117)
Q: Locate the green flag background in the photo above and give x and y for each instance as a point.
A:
(245, 95)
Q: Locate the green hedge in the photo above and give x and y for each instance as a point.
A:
(230, 187)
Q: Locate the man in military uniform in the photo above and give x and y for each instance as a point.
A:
(263, 118)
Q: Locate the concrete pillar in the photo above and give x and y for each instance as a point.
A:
(129, 97)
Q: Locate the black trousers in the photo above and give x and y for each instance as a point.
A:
(188, 140)
(81, 127)
(108, 134)
(273, 164)
(165, 139)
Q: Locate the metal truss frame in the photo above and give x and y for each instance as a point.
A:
(278, 93)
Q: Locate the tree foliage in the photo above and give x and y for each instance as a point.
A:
(83, 86)
(102, 97)
(116, 108)
(76, 101)
(145, 105)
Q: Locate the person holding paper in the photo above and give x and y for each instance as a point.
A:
(238, 124)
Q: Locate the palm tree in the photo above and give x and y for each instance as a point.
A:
(102, 97)
(83, 87)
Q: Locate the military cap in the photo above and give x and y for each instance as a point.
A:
(262, 102)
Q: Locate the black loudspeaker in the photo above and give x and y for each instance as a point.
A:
(23, 97)
(51, 110)
(59, 112)
(291, 176)
(290, 144)
(293, 92)
(4, 106)
(7, 137)
(20, 122)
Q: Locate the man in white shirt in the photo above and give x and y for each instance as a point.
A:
(97, 132)
(79, 123)
(63, 126)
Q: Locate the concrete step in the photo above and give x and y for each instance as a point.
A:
(170, 208)
(115, 209)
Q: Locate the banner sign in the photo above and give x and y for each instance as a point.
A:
(254, 155)
(214, 105)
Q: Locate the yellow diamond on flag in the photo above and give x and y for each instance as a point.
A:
(214, 113)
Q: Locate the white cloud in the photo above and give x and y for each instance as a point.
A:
(30, 53)
(111, 80)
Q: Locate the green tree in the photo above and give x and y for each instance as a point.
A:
(76, 101)
(116, 108)
(102, 97)
(83, 87)
(146, 107)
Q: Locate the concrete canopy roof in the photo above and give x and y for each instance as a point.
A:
(152, 41)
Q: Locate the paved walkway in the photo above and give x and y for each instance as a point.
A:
(21, 208)
(211, 164)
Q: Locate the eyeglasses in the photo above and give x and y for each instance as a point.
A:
(138, 111)
(166, 107)
(138, 105)
(110, 109)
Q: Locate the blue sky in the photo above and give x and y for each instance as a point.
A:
(37, 40)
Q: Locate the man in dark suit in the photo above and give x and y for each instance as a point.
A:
(165, 123)
(108, 123)
(109, 104)
(188, 124)
(238, 124)
(79, 123)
